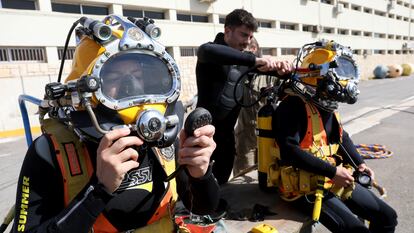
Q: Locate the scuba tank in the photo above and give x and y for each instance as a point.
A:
(266, 147)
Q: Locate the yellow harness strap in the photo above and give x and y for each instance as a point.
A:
(72, 156)
(296, 182)
(76, 168)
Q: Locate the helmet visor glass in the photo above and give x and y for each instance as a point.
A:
(346, 69)
(132, 75)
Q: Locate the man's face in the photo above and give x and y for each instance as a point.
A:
(238, 37)
(125, 77)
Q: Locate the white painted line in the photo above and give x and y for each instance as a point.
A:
(5, 155)
(364, 123)
(11, 139)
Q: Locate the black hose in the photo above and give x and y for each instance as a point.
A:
(254, 70)
(66, 48)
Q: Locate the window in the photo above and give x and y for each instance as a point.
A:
(143, 13)
(222, 20)
(379, 35)
(357, 51)
(267, 51)
(133, 13)
(398, 17)
(406, 19)
(183, 17)
(405, 37)
(19, 4)
(327, 2)
(346, 5)
(80, 9)
(288, 26)
(154, 14)
(69, 53)
(307, 28)
(379, 51)
(192, 18)
(355, 33)
(188, 51)
(368, 34)
(22, 54)
(355, 7)
(343, 31)
(380, 13)
(391, 36)
(95, 10)
(264, 24)
(367, 10)
(398, 37)
(289, 51)
(66, 8)
(328, 30)
(392, 16)
(390, 51)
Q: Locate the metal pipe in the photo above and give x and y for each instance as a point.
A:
(88, 107)
(25, 116)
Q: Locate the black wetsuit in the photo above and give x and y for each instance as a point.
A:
(214, 59)
(289, 127)
(41, 207)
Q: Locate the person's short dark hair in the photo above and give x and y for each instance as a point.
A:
(239, 17)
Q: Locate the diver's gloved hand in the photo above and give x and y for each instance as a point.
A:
(115, 157)
(195, 151)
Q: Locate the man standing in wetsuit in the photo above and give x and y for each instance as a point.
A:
(219, 64)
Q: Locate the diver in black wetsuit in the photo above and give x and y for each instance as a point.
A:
(101, 164)
(219, 64)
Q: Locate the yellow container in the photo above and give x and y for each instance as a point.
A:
(264, 228)
(408, 69)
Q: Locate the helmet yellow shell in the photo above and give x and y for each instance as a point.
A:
(318, 56)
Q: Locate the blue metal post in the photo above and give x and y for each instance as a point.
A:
(25, 116)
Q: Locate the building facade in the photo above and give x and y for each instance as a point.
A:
(33, 33)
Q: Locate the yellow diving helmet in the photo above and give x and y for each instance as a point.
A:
(327, 74)
(122, 77)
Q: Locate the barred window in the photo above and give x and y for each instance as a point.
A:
(289, 51)
(267, 51)
(188, 51)
(143, 13)
(288, 26)
(95, 10)
(154, 14)
(133, 13)
(192, 18)
(79, 9)
(265, 24)
(22, 54)
(69, 53)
